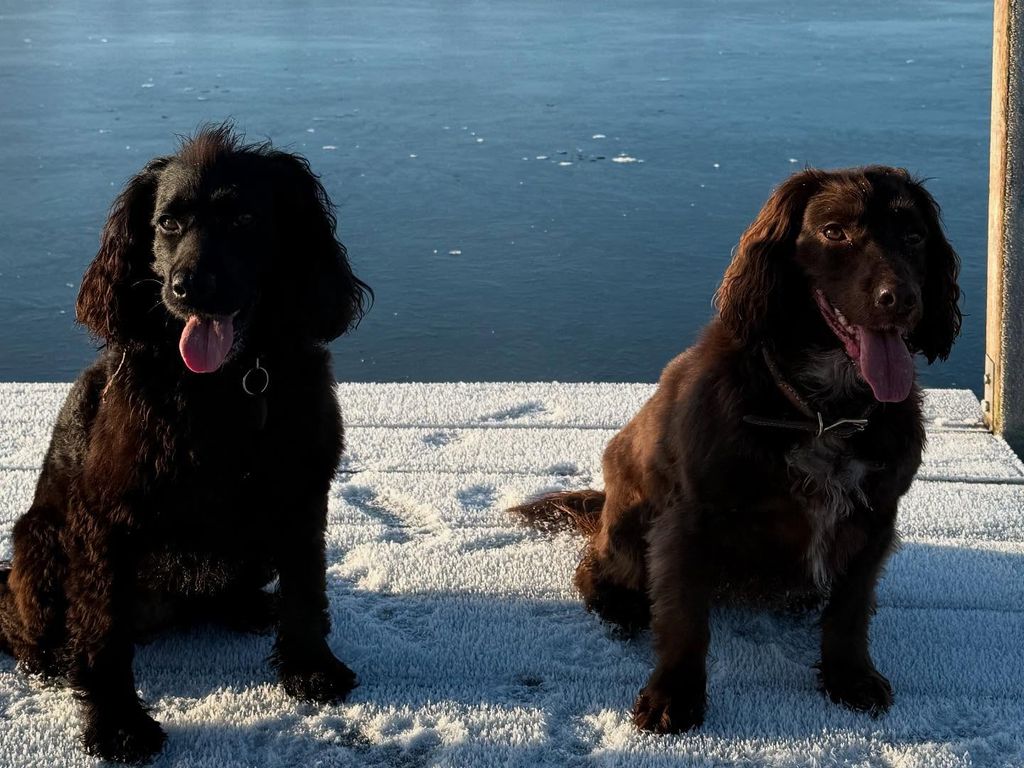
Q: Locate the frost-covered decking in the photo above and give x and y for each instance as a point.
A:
(473, 650)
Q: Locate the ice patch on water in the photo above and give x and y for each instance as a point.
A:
(624, 159)
(479, 141)
(565, 162)
(328, 147)
(598, 136)
(542, 157)
(455, 252)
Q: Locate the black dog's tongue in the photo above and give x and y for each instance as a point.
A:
(886, 364)
(205, 342)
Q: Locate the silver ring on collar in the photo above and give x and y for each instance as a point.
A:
(259, 384)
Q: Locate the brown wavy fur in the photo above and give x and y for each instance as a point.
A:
(700, 504)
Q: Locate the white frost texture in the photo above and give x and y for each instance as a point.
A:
(473, 650)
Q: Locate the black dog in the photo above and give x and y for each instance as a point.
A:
(191, 463)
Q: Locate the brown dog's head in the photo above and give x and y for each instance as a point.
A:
(853, 258)
(218, 246)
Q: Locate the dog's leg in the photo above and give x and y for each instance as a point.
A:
(675, 696)
(33, 603)
(847, 672)
(305, 664)
(612, 576)
(116, 726)
(10, 626)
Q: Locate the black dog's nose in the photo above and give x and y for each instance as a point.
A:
(180, 284)
(896, 297)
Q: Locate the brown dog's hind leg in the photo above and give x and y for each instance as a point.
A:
(612, 576)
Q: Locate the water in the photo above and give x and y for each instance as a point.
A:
(471, 150)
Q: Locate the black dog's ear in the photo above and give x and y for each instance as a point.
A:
(749, 291)
(940, 294)
(327, 299)
(113, 300)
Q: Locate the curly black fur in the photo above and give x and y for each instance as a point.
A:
(167, 495)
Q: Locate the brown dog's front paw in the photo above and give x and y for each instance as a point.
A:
(125, 737)
(330, 681)
(662, 710)
(863, 689)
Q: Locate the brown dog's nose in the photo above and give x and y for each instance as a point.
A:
(896, 297)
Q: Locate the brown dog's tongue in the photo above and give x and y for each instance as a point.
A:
(205, 342)
(886, 364)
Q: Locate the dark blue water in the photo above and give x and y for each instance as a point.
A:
(469, 147)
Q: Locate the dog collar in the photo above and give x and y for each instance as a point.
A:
(256, 379)
(814, 423)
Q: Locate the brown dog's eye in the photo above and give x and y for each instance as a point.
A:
(168, 224)
(243, 220)
(913, 238)
(834, 232)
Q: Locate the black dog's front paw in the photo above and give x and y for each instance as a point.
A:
(662, 709)
(125, 737)
(860, 688)
(328, 681)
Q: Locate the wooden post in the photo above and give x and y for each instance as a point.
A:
(1004, 332)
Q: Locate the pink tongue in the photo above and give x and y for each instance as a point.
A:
(886, 364)
(206, 342)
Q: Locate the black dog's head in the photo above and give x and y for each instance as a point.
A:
(856, 258)
(218, 243)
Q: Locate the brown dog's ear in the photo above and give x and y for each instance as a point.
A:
(940, 294)
(748, 294)
(112, 301)
(327, 299)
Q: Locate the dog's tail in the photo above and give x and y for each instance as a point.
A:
(564, 511)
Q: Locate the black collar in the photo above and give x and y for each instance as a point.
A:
(814, 423)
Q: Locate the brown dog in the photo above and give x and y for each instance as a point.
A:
(770, 460)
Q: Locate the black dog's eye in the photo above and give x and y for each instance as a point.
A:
(168, 224)
(834, 232)
(243, 220)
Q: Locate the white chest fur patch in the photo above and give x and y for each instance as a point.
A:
(830, 481)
